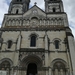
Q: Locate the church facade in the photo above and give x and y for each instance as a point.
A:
(36, 42)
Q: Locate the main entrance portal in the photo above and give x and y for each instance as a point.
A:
(32, 69)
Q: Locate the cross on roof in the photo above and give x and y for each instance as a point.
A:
(35, 3)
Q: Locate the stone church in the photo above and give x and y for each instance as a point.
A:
(36, 42)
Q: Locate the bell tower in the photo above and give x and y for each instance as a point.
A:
(18, 6)
(53, 6)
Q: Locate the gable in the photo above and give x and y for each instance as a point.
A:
(35, 12)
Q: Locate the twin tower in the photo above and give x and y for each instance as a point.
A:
(21, 6)
(36, 42)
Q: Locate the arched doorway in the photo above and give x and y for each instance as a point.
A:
(32, 69)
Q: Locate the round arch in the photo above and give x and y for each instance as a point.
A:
(31, 59)
(59, 60)
(7, 59)
(34, 34)
(56, 39)
(59, 66)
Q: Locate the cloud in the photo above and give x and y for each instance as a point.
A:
(70, 9)
(40, 3)
(69, 6)
(3, 9)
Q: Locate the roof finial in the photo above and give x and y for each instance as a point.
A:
(35, 3)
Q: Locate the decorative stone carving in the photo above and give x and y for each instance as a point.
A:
(35, 22)
(24, 54)
(34, 11)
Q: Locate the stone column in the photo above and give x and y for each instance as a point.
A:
(67, 72)
(46, 53)
(40, 22)
(50, 70)
(56, 72)
(71, 43)
(62, 72)
(15, 73)
(12, 72)
(46, 61)
(47, 72)
(19, 42)
(46, 50)
(46, 42)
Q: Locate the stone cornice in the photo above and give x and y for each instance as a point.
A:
(34, 28)
(56, 13)
(32, 50)
(69, 34)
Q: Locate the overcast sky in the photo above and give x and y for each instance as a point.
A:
(69, 7)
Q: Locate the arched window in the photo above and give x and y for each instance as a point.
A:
(59, 68)
(9, 44)
(54, 10)
(5, 65)
(17, 11)
(56, 42)
(33, 41)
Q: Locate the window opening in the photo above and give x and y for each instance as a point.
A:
(54, 10)
(33, 41)
(56, 44)
(9, 44)
(17, 11)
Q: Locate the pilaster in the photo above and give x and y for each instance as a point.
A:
(19, 42)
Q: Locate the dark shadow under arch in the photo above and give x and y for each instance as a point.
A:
(31, 59)
(32, 69)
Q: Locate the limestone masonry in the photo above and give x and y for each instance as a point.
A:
(36, 42)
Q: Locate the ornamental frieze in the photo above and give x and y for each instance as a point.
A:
(25, 54)
(34, 22)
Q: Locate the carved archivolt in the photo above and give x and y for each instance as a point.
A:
(59, 66)
(25, 54)
(7, 59)
(31, 59)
